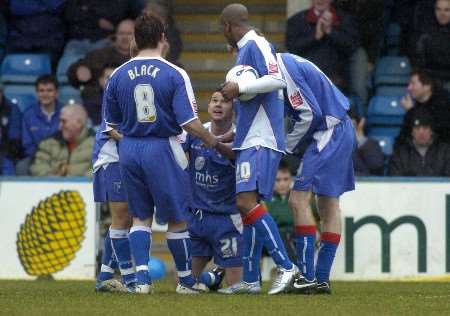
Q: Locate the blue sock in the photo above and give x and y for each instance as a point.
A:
(252, 249)
(109, 263)
(267, 229)
(179, 245)
(327, 251)
(140, 243)
(305, 241)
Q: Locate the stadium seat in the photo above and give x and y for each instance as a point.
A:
(385, 111)
(383, 131)
(392, 70)
(24, 68)
(64, 64)
(386, 143)
(391, 90)
(69, 95)
(22, 95)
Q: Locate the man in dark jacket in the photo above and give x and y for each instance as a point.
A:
(424, 94)
(432, 48)
(326, 36)
(423, 155)
(90, 22)
(87, 71)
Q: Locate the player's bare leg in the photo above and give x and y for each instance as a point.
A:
(198, 265)
(305, 232)
(233, 275)
(330, 215)
(120, 219)
(179, 245)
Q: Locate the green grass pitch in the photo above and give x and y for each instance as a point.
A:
(349, 298)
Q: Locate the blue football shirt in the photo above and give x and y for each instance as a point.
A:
(148, 96)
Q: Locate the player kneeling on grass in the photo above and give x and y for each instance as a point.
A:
(215, 225)
(318, 114)
(108, 189)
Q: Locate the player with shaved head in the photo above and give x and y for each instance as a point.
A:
(259, 145)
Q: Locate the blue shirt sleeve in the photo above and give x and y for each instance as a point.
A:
(112, 112)
(183, 104)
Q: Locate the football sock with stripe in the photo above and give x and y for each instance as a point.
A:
(109, 263)
(252, 248)
(267, 230)
(327, 251)
(140, 242)
(305, 240)
(179, 245)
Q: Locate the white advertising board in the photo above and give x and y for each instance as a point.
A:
(47, 227)
(395, 229)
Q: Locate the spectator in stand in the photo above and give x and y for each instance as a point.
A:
(369, 18)
(433, 44)
(425, 93)
(172, 33)
(87, 71)
(279, 209)
(10, 134)
(41, 119)
(69, 152)
(368, 158)
(91, 22)
(411, 15)
(92, 95)
(36, 26)
(423, 155)
(326, 36)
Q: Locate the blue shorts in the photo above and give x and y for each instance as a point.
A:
(154, 178)
(327, 165)
(108, 184)
(218, 236)
(256, 170)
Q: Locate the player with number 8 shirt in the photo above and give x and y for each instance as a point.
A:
(150, 100)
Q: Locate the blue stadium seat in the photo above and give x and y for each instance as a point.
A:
(391, 90)
(22, 95)
(386, 143)
(385, 111)
(64, 64)
(391, 70)
(24, 68)
(69, 95)
(383, 131)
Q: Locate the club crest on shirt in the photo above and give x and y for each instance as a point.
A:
(199, 163)
(273, 68)
(296, 99)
